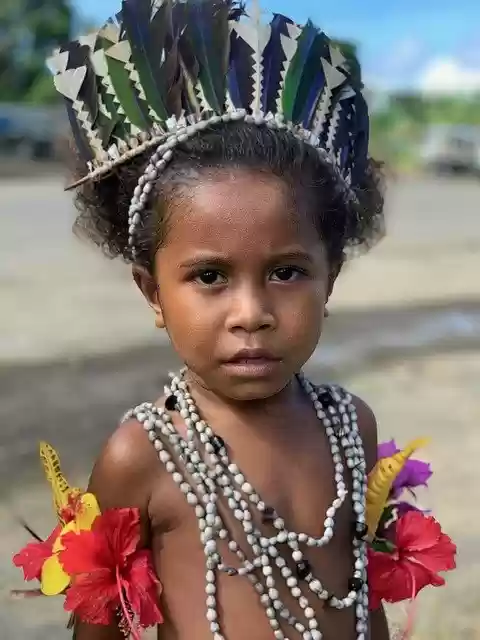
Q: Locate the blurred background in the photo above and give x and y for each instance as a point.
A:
(78, 346)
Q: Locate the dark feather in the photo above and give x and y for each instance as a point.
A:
(29, 530)
(81, 140)
(361, 139)
(310, 104)
(173, 72)
(273, 60)
(341, 139)
(79, 56)
(303, 67)
(188, 62)
(148, 39)
(312, 82)
(240, 73)
(208, 31)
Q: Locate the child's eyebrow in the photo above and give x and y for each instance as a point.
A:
(297, 254)
(207, 259)
(222, 260)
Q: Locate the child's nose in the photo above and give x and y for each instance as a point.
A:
(250, 311)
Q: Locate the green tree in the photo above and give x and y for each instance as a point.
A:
(29, 31)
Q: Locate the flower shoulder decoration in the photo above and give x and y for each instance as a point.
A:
(94, 559)
(407, 547)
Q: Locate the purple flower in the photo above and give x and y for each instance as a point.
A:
(404, 507)
(415, 473)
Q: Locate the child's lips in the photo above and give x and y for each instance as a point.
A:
(253, 363)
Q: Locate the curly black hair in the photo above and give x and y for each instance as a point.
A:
(343, 225)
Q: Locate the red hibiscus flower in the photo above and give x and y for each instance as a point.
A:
(110, 573)
(422, 550)
(32, 557)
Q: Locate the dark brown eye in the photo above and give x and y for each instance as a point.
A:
(209, 277)
(286, 274)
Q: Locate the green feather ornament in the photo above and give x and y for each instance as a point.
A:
(162, 65)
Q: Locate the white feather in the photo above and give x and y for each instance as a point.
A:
(257, 35)
(289, 46)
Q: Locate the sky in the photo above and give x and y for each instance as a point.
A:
(431, 45)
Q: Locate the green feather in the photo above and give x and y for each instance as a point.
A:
(147, 40)
(126, 93)
(302, 65)
(117, 119)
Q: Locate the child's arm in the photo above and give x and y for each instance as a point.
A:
(368, 429)
(122, 477)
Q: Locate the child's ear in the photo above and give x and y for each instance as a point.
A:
(149, 288)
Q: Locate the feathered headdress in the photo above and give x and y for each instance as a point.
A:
(163, 70)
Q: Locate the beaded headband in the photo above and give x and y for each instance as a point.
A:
(162, 71)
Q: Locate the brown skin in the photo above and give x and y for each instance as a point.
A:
(246, 290)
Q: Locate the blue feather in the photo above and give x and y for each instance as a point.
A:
(311, 50)
(310, 105)
(342, 137)
(273, 60)
(240, 72)
(234, 88)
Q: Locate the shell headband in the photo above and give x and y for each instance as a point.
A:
(163, 71)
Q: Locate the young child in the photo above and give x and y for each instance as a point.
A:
(227, 160)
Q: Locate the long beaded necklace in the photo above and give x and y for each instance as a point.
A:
(205, 473)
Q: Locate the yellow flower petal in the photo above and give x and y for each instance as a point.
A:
(54, 580)
(87, 513)
(57, 545)
(380, 482)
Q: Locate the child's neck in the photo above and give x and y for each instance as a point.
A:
(272, 416)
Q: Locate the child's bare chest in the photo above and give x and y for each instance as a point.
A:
(296, 483)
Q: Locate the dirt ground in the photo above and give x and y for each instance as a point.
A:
(431, 395)
(78, 348)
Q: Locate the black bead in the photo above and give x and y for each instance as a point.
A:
(230, 571)
(325, 398)
(303, 569)
(360, 530)
(217, 443)
(355, 584)
(268, 514)
(171, 403)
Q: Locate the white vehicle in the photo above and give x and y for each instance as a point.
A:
(452, 149)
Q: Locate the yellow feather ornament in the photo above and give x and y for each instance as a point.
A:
(380, 482)
(61, 490)
(76, 511)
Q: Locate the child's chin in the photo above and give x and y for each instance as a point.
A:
(256, 389)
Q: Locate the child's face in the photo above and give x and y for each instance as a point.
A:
(241, 269)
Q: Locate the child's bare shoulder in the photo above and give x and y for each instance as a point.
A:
(126, 469)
